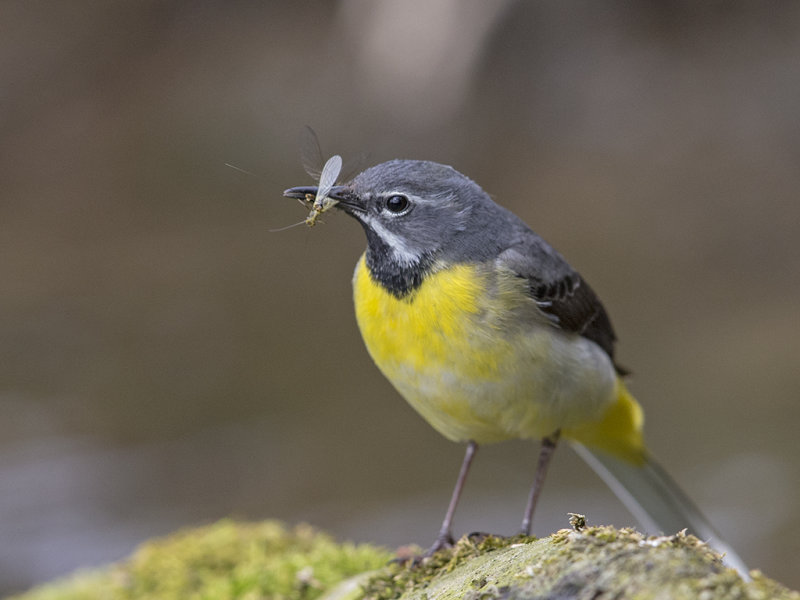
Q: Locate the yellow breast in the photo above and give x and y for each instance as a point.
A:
(467, 350)
(423, 329)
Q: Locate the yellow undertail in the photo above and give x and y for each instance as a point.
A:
(619, 432)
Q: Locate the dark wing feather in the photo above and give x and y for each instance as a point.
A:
(560, 292)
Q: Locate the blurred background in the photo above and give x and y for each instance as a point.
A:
(166, 361)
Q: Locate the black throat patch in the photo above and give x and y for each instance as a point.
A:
(399, 279)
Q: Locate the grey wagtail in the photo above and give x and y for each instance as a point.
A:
(490, 335)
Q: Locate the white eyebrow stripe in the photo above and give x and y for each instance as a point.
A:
(402, 253)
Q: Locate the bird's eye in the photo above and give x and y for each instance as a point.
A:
(397, 203)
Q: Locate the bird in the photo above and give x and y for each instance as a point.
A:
(490, 335)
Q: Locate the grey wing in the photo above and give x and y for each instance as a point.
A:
(560, 292)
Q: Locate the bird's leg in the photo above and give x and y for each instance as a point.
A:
(545, 454)
(445, 537)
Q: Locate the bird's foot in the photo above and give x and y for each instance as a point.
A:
(443, 540)
(476, 537)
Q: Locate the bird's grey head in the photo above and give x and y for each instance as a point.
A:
(416, 214)
(412, 209)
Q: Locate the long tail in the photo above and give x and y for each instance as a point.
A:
(655, 500)
(614, 449)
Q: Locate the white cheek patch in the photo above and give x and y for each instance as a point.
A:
(400, 250)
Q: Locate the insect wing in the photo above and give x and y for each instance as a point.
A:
(311, 152)
(353, 166)
(330, 173)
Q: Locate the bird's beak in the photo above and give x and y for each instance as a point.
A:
(348, 201)
(301, 192)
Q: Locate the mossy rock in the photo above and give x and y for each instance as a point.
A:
(226, 560)
(269, 560)
(588, 563)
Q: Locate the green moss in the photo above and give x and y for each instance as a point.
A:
(585, 562)
(224, 560)
(398, 578)
(269, 561)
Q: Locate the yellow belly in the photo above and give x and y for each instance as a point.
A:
(470, 352)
